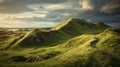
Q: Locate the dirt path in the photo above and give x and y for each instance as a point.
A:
(94, 42)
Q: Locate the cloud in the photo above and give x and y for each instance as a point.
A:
(96, 6)
(100, 10)
(51, 12)
(11, 21)
(55, 7)
(14, 10)
(11, 24)
(105, 6)
(21, 24)
(85, 5)
(17, 6)
(112, 7)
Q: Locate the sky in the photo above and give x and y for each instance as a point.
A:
(48, 13)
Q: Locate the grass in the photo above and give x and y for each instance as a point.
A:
(75, 52)
(67, 49)
(58, 34)
(21, 39)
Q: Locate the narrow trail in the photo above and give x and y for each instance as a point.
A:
(94, 42)
(94, 45)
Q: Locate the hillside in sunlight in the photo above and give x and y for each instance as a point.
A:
(58, 34)
(73, 43)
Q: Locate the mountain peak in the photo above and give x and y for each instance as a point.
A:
(69, 22)
(78, 23)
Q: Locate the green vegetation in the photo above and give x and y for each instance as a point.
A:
(59, 34)
(84, 45)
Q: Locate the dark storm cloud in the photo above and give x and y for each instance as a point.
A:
(105, 6)
(17, 6)
(102, 10)
(93, 10)
(9, 2)
(112, 7)
(99, 6)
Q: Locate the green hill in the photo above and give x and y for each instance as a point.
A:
(60, 33)
(76, 26)
(93, 45)
(86, 50)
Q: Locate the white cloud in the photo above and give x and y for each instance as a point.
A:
(42, 24)
(55, 7)
(20, 24)
(66, 14)
(25, 15)
(85, 5)
(29, 15)
(36, 7)
(10, 24)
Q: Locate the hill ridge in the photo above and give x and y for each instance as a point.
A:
(60, 33)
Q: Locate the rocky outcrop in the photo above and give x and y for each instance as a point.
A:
(19, 58)
(93, 43)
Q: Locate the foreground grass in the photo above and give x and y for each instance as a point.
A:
(74, 43)
(76, 52)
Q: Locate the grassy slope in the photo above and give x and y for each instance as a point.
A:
(76, 26)
(6, 37)
(22, 38)
(76, 52)
(60, 33)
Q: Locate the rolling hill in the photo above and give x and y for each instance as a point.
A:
(60, 33)
(84, 45)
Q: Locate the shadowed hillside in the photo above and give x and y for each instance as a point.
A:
(91, 45)
(86, 50)
(60, 33)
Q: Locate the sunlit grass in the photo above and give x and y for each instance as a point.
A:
(66, 48)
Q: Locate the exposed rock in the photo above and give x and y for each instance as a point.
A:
(93, 43)
(39, 58)
(18, 58)
(35, 59)
(38, 40)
